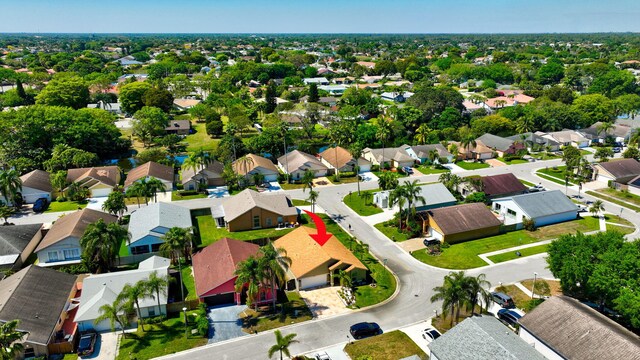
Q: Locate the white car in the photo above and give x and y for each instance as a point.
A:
(430, 334)
(322, 356)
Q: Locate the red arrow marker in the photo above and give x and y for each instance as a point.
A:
(322, 236)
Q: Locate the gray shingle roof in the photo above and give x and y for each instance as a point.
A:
(544, 203)
(578, 332)
(162, 214)
(298, 160)
(495, 142)
(482, 337)
(37, 179)
(14, 239)
(249, 199)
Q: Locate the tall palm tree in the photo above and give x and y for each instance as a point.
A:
(313, 197)
(307, 180)
(10, 185)
(398, 197)
(412, 192)
(467, 142)
(433, 156)
(605, 127)
(356, 152)
(422, 134)
(132, 294)
(177, 242)
(136, 189)
(282, 344)
(249, 273)
(157, 285)
(115, 203)
(116, 313)
(244, 163)
(10, 345)
(275, 263)
(383, 133)
(154, 186)
(100, 244)
(452, 293)
(477, 288)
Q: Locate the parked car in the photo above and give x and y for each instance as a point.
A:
(408, 170)
(503, 300)
(431, 241)
(509, 317)
(430, 334)
(617, 150)
(364, 329)
(323, 356)
(40, 205)
(87, 344)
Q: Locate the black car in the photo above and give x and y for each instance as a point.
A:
(503, 300)
(509, 317)
(431, 241)
(40, 205)
(364, 329)
(87, 344)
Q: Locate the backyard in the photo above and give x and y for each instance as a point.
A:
(472, 165)
(200, 139)
(362, 204)
(390, 346)
(465, 255)
(210, 232)
(176, 196)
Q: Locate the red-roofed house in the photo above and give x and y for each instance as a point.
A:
(214, 272)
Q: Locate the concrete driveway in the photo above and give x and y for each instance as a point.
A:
(412, 244)
(415, 333)
(495, 162)
(106, 347)
(324, 302)
(224, 323)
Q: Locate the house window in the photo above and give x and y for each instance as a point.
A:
(155, 247)
(256, 221)
(53, 256)
(71, 254)
(152, 312)
(511, 213)
(269, 222)
(280, 219)
(137, 250)
(498, 206)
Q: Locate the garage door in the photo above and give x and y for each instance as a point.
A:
(100, 192)
(313, 281)
(270, 178)
(220, 299)
(31, 198)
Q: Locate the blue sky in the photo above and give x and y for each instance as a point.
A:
(328, 16)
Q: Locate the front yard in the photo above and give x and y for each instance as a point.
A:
(389, 346)
(428, 170)
(295, 311)
(616, 200)
(472, 165)
(56, 206)
(390, 230)
(465, 255)
(362, 204)
(210, 232)
(175, 196)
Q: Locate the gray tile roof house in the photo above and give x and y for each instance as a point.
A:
(544, 203)
(531, 138)
(148, 225)
(422, 151)
(299, 161)
(435, 196)
(479, 338)
(562, 327)
(17, 242)
(249, 199)
(397, 156)
(495, 142)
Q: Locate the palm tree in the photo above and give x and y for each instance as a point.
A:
(422, 134)
(249, 273)
(59, 181)
(453, 149)
(477, 288)
(136, 189)
(153, 186)
(605, 127)
(398, 197)
(433, 156)
(258, 178)
(116, 313)
(344, 278)
(115, 203)
(313, 197)
(467, 142)
(10, 185)
(177, 241)
(244, 163)
(383, 133)
(356, 152)
(412, 192)
(10, 345)
(282, 344)
(275, 263)
(77, 192)
(100, 244)
(452, 293)
(157, 285)
(307, 180)
(132, 294)
(387, 181)
(6, 212)
(596, 207)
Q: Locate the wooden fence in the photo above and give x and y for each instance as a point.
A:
(177, 306)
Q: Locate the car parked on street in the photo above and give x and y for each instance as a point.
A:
(364, 329)
(87, 344)
(430, 334)
(509, 317)
(503, 300)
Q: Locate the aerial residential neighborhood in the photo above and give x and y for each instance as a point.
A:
(380, 181)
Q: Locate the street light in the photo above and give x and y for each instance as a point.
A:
(533, 288)
(184, 310)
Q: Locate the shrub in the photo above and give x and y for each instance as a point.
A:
(531, 304)
(375, 167)
(155, 320)
(445, 245)
(187, 192)
(336, 178)
(202, 324)
(528, 224)
(61, 198)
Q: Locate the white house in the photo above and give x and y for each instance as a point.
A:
(435, 196)
(36, 185)
(103, 289)
(149, 224)
(149, 170)
(316, 80)
(544, 208)
(296, 163)
(396, 96)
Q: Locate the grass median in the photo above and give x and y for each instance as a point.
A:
(390, 346)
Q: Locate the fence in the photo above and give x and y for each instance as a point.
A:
(60, 348)
(177, 306)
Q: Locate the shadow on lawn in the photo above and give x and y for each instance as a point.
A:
(134, 343)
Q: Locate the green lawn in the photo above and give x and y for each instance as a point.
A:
(175, 196)
(343, 180)
(162, 339)
(292, 186)
(465, 255)
(523, 252)
(123, 250)
(585, 152)
(385, 282)
(545, 156)
(296, 311)
(614, 200)
(56, 206)
(472, 165)
(358, 204)
(378, 173)
(200, 139)
(621, 195)
(70, 357)
(391, 231)
(210, 233)
(555, 174)
(297, 202)
(189, 283)
(526, 183)
(428, 170)
(513, 162)
(389, 346)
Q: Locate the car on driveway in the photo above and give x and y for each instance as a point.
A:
(364, 329)
(503, 300)
(87, 344)
(431, 241)
(40, 205)
(430, 334)
(408, 170)
(509, 317)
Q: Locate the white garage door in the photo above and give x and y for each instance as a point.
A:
(100, 192)
(31, 198)
(434, 234)
(364, 168)
(270, 178)
(313, 281)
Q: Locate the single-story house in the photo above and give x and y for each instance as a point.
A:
(113, 108)
(396, 96)
(148, 225)
(296, 163)
(36, 185)
(620, 171)
(254, 164)
(316, 80)
(563, 328)
(214, 272)
(567, 138)
(495, 186)
(253, 210)
(544, 208)
(478, 152)
(500, 145)
(41, 300)
(99, 180)
(61, 244)
(535, 142)
(179, 127)
(396, 157)
(341, 159)
(481, 337)
(333, 89)
(313, 265)
(17, 243)
(103, 289)
(633, 186)
(128, 61)
(435, 196)
(619, 132)
(420, 153)
(471, 106)
(149, 170)
(210, 175)
(460, 223)
(185, 104)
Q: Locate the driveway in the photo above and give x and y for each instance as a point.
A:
(218, 192)
(96, 203)
(224, 323)
(368, 176)
(412, 245)
(495, 163)
(324, 302)
(335, 352)
(106, 347)
(415, 333)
